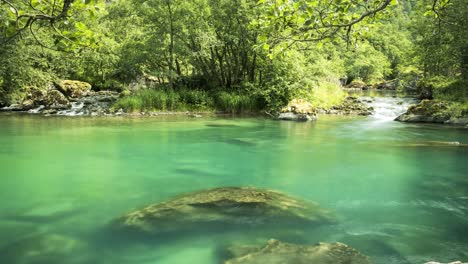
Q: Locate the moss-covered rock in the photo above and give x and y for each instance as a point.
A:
(300, 106)
(357, 84)
(74, 89)
(427, 111)
(277, 252)
(298, 110)
(351, 106)
(56, 100)
(227, 207)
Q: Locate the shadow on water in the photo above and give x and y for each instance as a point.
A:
(222, 125)
(196, 172)
(238, 142)
(43, 219)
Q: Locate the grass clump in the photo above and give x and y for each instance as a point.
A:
(237, 103)
(188, 100)
(150, 100)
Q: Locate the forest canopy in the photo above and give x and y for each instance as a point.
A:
(269, 50)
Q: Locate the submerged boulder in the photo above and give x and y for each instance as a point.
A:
(277, 252)
(74, 89)
(39, 249)
(225, 207)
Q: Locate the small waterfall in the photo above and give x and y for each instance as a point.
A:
(388, 108)
(75, 110)
(36, 110)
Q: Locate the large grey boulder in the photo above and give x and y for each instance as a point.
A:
(225, 207)
(277, 252)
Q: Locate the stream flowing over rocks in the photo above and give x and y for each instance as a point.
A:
(388, 108)
(67, 98)
(302, 110)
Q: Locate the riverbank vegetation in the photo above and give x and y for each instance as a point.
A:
(234, 56)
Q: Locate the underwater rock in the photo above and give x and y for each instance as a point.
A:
(226, 207)
(277, 252)
(39, 249)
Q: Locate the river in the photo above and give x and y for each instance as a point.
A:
(400, 190)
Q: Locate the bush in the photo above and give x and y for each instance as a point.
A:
(325, 94)
(445, 88)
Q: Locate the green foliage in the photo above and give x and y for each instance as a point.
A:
(231, 55)
(165, 100)
(459, 109)
(326, 94)
(440, 32)
(368, 64)
(237, 103)
(445, 88)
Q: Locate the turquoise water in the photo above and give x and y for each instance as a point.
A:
(400, 196)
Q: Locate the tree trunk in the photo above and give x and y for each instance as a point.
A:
(171, 44)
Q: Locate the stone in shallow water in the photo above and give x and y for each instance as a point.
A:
(277, 252)
(225, 207)
(290, 116)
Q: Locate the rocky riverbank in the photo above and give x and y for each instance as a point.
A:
(435, 111)
(302, 110)
(67, 98)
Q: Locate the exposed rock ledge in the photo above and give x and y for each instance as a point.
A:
(302, 110)
(277, 252)
(432, 111)
(350, 106)
(226, 207)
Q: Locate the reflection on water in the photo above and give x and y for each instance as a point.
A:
(64, 180)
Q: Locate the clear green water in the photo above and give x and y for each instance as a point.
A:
(397, 202)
